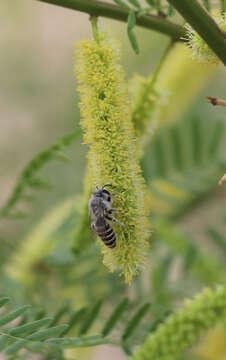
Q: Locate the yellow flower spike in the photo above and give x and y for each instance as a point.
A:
(113, 158)
(200, 51)
(146, 104)
(182, 329)
(212, 346)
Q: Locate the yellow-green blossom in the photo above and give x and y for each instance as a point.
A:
(146, 103)
(113, 158)
(184, 328)
(213, 345)
(200, 51)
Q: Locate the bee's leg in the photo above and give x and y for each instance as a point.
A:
(111, 218)
(110, 211)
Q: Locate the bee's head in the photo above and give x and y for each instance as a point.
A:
(103, 193)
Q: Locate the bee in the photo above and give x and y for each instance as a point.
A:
(100, 211)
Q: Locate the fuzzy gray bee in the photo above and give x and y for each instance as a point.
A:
(100, 210)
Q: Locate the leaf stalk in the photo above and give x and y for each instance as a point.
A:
(100, 8)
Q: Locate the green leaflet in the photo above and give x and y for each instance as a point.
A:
(135, 321)
(122, 4)
(135, 3)
(30, 327)
(90, 318)
(16, 346)
(206, 3)
(45, 334)
(3, 301)
(61, 312)
(160, 279)
(170, 10)
(13, 315)
(74, 319)
(29, 179)
(115, 316)
(131, 22)
(215, 136)
(217, 238)
(80, 341)
(150, 2)
(143, 11)
(3, 341)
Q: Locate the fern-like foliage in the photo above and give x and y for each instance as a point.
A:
(29, 179)
(136, 9)
(155, 7)
(24, 331)
(185, 165)
(42, 336)
(204, 266)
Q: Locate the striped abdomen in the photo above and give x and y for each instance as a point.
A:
(105, 232)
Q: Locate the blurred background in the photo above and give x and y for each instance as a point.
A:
(38, 105)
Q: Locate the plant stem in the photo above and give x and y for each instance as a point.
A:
(203, 23)
(99, 8)
(93, 20)
(160, 64)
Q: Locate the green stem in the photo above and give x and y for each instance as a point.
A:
(160, 64)
(203, 23)
(93, 20)
(99, 8)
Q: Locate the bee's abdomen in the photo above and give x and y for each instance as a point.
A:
(105, 232)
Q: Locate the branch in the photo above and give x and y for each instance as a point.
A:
(99, 8)
(203, 23)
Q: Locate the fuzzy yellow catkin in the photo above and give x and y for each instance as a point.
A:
(113, 156)
(184, 328)
(213, 345)
(199, 49)
(157, 105)
(146, 104)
